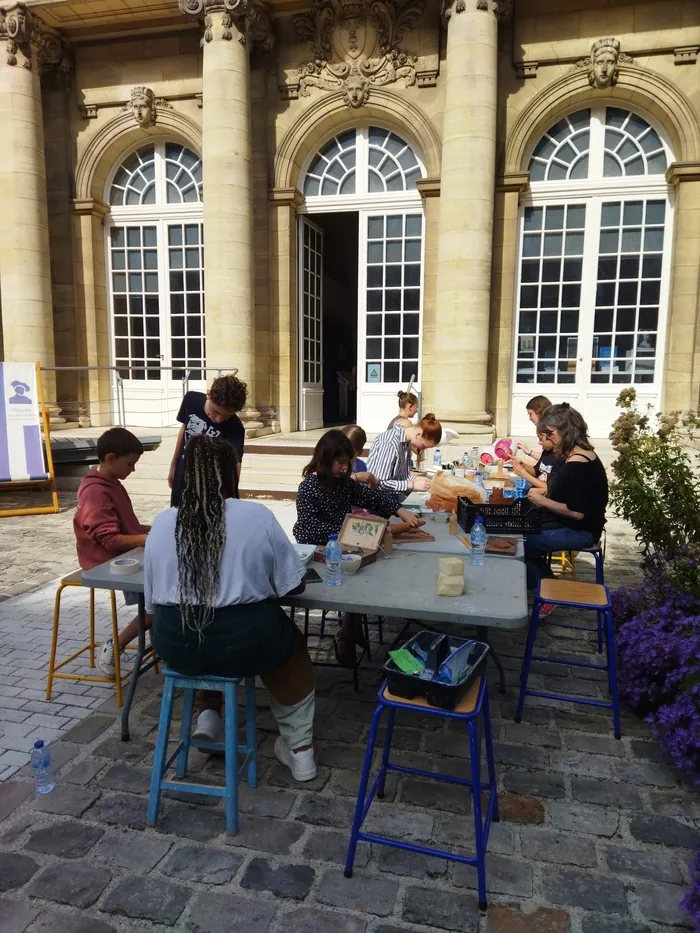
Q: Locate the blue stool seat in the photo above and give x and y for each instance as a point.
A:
(473, 711)
(230, 747)
(592, 596)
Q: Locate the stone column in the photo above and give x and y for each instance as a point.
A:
(228, 196)
(25, 266)
(681, 378)
(465, 234)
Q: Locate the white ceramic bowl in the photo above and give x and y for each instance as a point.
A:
(305, 552)
(350, 563)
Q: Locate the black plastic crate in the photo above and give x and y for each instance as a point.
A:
(439, 647)
(521, 518)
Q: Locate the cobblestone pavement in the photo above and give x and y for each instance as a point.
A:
(595, 835)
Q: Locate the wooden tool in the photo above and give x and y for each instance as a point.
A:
(465, 541)
(413, 537)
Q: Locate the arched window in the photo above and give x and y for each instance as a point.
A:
(363, 161)
(593, 256)
(156, 265)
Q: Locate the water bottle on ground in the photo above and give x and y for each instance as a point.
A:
(334, 554)
(41, 768)
(478, 542)
(437, 458)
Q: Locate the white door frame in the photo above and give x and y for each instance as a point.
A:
(310, 399)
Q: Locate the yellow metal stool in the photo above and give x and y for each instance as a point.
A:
(566, 561)
(76, 579)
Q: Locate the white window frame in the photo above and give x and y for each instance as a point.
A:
(336, 203)
(593, 192)
(160, 215)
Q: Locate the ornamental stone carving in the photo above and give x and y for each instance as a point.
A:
(501, 9)
(145, 105)
(30, 43)
(249, 17)
(603, 63)
(355, 46)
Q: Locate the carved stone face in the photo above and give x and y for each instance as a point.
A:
(143, 111)
(356, 91)
(604, 67)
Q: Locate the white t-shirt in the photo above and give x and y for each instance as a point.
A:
(259, 561)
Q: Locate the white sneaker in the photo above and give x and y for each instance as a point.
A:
(301, 764)
(209, 727)
(105, 660)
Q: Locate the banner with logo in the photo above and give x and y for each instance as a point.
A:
(21, 451)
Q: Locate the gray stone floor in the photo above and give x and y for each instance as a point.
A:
(595, 835)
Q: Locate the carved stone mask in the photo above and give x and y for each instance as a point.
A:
(143, 106)
(356, 90)
(604, 58)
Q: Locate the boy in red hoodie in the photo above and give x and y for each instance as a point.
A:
(105, 525)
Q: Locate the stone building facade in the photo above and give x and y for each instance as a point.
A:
(493, 198)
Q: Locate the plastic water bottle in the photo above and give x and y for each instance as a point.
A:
(520, 485)
(334, 555)
(437, 458)
(475, 458)
(465, 460)
(478, 542)
(41, 768)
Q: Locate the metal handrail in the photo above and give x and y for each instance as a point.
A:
(119, 380)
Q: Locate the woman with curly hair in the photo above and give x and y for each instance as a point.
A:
(213, 414)
(215, 570)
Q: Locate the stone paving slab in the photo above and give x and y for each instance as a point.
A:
(595, 835)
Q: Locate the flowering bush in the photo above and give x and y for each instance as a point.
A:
(691, 902)
(657, 489)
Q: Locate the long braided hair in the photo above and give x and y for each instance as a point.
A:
(210, 477)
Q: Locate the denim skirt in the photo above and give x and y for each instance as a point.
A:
(240, 641)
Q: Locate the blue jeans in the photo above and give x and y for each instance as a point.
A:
(537, 547)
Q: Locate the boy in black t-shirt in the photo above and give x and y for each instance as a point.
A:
(213, 414)
(538, 474)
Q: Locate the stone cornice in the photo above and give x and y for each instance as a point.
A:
(678, 172)
(513, 181)
(285, 197)
(249, 18)
(90, 207)
(428, 187)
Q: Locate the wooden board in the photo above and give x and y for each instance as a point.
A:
(413, 537)
(509, 551)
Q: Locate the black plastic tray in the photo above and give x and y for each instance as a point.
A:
(443, 696)
(521, 518)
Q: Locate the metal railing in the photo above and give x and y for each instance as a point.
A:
(121, 394)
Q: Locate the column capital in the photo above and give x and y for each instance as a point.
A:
(250, 17)
(285, 197)
(30, 43)
(501, 9)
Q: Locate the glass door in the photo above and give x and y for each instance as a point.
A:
(390, 312)
(311, 325)
(157, 297)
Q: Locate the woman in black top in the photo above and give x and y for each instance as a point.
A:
(576, 494)
(328, 492)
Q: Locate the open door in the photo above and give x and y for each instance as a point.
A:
(311, 324)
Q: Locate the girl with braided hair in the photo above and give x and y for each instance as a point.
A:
(215, 569)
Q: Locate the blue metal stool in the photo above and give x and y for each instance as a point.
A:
(592, 596)
(230, 747)
(473, 710)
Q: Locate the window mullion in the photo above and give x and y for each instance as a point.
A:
(588, 294)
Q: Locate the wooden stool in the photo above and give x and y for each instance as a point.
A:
(592, 596)
(76, 579)
(230, 747)
(473, 711)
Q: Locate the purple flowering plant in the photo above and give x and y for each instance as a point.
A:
(657, 489)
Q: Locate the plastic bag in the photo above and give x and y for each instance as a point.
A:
(445, 489)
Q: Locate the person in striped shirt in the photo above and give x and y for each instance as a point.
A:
(390, 455)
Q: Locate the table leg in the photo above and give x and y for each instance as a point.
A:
(135, 671)
(483, 635)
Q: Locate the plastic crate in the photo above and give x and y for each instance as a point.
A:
(439, 647)
(521, 518)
